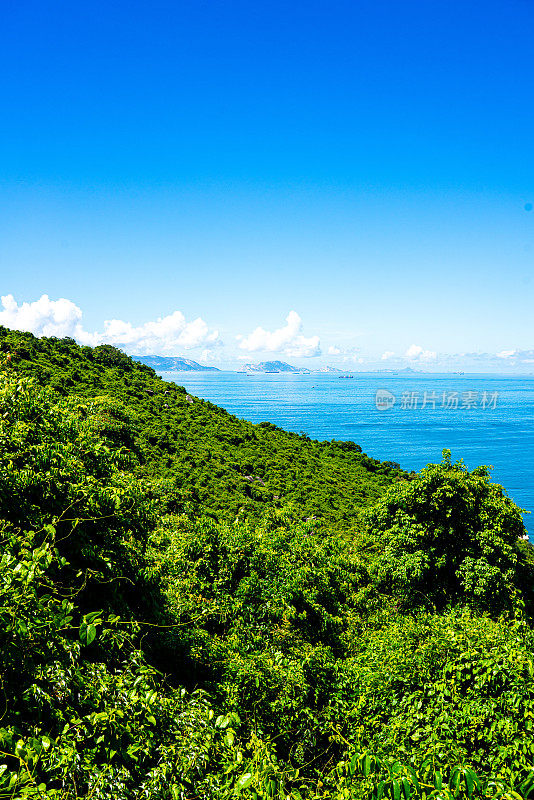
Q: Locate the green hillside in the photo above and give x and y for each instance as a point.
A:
(207, 456)
(155, 646)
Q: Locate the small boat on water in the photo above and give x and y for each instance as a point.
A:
(345, 376)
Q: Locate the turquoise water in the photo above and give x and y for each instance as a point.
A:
(327, 407)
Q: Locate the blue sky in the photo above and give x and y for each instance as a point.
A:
(365, 169)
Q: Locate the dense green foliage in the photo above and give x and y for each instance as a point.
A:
(149, 650)
(449, 536)
(209, 458)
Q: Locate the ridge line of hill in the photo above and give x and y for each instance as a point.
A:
(208, 457)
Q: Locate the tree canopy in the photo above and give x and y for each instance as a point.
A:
(211, 461)
(448, 536)
(149, 650)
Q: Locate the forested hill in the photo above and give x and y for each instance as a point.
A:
(207, 457)
(153, 655)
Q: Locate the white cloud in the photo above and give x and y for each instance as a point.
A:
(211, 356)
(348, 352)
(387, 355)
(522, 356)
(353, 360)
(416, 353)
(288, 340)
(166, 334)
(62, 317)
(46, 317)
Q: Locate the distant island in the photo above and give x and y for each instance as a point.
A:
(173, 364)
(403, 371)
(273, 366)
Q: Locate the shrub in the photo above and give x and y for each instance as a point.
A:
(447, 536)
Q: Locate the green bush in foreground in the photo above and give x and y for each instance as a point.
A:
(448, 536)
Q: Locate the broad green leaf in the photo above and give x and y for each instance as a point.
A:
(244, 781)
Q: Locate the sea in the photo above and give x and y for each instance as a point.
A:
(408, 418)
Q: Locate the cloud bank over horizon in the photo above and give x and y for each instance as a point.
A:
(174, 334)
(62, 317)
(514, 356)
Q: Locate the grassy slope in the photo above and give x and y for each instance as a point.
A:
(210, 457)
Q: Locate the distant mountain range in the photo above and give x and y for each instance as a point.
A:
(273, 366)
(179, 364)
(173, 364)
